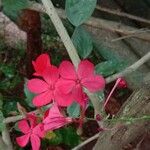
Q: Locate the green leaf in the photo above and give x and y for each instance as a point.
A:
(105, 52)
(109, 55)
(28, 94)
(106, 68)
(58, 139)
(73, 110)
(82, 41)
(78, 11)
(2, 125)
(9, 107)
(13, 7)
(70, 136)
(8, 70)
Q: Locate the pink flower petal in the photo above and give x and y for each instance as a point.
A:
(52, 125)
(51, 74)
(42, 62)
(65, 86)
(39, 130)
(55, 119)
(23, 140)
(85, 69)
(63, 99)
(43, 99)
(23, 126)
(54, 112)
(94, 83)
(78, 93)
(37, 86)
(67, 70)
(35, 142)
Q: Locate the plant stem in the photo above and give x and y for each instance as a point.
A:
(2, 144)
(62, 32)
(110, 94)
(123, 14)
(128, 119)
(129, 69)
(6, 138)
(86, 142)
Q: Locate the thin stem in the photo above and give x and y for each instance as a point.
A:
(128, 119)
(129, 69)
(19, 117)
(123, 14)
(139, 31)
(62, 32)
(86, 142)
(110, 94)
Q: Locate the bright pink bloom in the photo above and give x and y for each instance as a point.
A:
(47, 90)
(32, 132)
(40, 64)
(122, 83)
(55, 119)
(73, 81)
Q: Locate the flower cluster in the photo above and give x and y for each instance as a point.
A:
(64, 84)
(33, 130)
(60, 86)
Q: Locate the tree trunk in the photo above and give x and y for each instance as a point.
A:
(30, 22)
(125, 136)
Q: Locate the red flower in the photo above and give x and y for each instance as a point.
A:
(32, 132)
(55, 119)
(73, 81)
(47, 89)
(40, 64)
(123, 83)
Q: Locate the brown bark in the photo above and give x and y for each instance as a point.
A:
(30, 22)
(128, 136)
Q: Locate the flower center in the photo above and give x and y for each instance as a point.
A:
(77, 81)
(52, 87)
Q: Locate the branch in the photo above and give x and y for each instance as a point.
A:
(122, 14)
(86, 142)
(2, 144)
(62, 32)
(139, 31)
(6, 138)
(130, 69)
(19, 117)
(101, 23)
